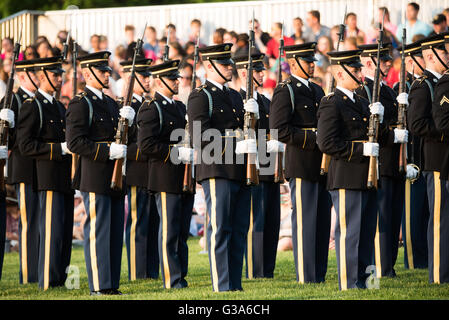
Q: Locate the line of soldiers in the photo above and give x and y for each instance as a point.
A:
(243, 220)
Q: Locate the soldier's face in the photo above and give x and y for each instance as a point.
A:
(145, 81)
(346, 81)
(225, 70)
(103, 76)
(258, 75)
(385, 66)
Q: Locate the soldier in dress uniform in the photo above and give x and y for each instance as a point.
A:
(439, 222)
(41, 136)
(434, 147)
(159, 119)
(20, 175)
(293, 113)
(390, 195)
(343, 119)
(415, 216)
(220, 112)
(265, 215)
(92, 119)
(142, 224)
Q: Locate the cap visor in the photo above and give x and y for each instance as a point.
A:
(103, 68)
(224, 61)
(57, 70)
(356, 64)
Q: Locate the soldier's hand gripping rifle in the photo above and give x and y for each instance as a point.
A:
(188, 183)
(326, 159)
(75, 157)
(279, 175)
(402, 109)
(121, 136)
(249, 126)
(4, 126)
(373, 129)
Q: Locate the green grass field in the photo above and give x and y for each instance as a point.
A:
(409, 284)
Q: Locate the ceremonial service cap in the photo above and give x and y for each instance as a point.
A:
(167, 69)
(220, 53)
(305, 51)
(98, 60)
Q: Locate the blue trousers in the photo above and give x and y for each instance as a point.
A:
(175, 212)
(103, 239)
(415, 219)
(228, 205)
(55, 233)
(311, 223)
(28, 232)
(141, 234)
(354, 235)
(438, 228)
(263, 233)
(390, 201)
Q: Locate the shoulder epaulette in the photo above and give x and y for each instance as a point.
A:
(30, 99)
(285, 82)
(120, 99)
(330, 95)
(149, 100)
(81, 95)
(198, 89)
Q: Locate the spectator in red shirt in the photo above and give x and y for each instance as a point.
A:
(273, 44)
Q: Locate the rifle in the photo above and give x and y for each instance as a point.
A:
(75, 157)
(402, 121)
(373, 128)
(252, 176)
(279, 175)
(167, 46)
(188, 183)
(326, 159)
(121, 136)
(4, 126)
(64, 57)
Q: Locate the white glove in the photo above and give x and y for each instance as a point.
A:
(8, 116)
(275, 146)
(402, 98)
(128, 113)
(400, 135)
(117, 151)
(185, 154)
(252, 106)
(64, 149)
(377, 108)
(371, 149)
(246, 146)
(3, 152)
(412, 172)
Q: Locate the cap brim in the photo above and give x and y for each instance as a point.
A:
(56, 70)
(386, 58)
(356, 64)
(144, 73)
(224, 61)
(103, 68)
(172, 76)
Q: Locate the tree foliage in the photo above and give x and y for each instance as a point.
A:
(9, 7)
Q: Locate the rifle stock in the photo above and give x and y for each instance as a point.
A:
(373, 129)
(121, 136)
(252, 176)
(326, 159)
(75, 157)
(402, 124)
(279, 175)
(4, 126)
(188, 182)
